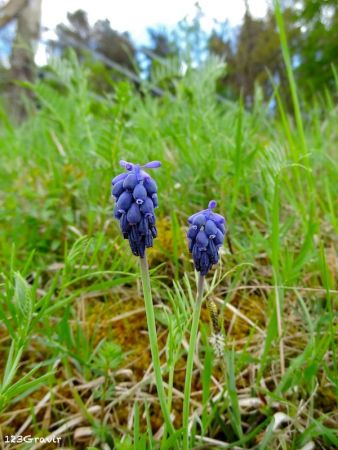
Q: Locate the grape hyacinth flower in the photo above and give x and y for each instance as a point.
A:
(206, 235)
(135, 193)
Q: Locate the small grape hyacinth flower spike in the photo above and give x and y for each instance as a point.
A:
(206, 235)
(135, 193)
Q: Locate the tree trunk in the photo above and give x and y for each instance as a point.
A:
(22, 56)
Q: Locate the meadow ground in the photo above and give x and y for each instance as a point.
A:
(76, 361)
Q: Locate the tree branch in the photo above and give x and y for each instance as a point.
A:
(10, 10)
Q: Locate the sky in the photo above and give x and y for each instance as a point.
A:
(135, 16)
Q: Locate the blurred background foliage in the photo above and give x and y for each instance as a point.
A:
(252, 52)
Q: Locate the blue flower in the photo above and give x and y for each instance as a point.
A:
(135, 193)
(206, 235)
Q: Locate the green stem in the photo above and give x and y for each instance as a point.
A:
(170, 395)
(149, 307)
(170, 388)
(190, 361)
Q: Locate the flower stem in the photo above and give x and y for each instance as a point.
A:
(190, 361)
(149, 307)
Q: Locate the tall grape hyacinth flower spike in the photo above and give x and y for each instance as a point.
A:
(206, 235)
(135, 193)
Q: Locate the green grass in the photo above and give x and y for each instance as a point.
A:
(73, 323)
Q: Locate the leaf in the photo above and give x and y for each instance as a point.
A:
(11, 364)
(23, 297)
(235, 414)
